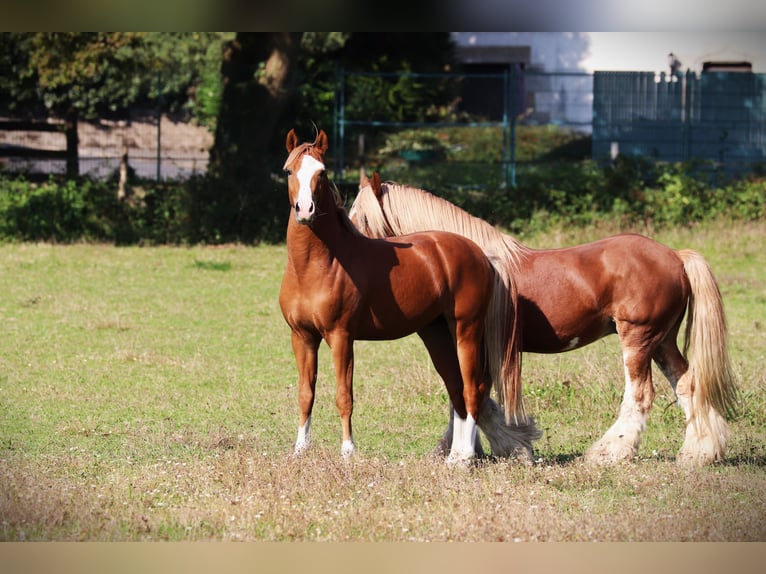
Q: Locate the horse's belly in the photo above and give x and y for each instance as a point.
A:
(392, 324)
(558, 332)
(569, 342)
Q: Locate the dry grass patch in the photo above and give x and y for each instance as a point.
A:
(234, 492)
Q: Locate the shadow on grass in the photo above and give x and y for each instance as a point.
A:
(744, 460)
(574, 458)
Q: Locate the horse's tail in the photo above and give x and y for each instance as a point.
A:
(502, 339)
(509, 430)
(711, 382)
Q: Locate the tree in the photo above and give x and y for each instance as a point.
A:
(239, 201)
(277, 81)
(75, 76)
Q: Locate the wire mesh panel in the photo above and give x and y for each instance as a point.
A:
(714, 116)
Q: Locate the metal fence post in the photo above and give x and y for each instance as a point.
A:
(341, 124)
(505, 160)
(512, 79)
(159, 124)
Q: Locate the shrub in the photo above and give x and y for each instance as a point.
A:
(62, 211)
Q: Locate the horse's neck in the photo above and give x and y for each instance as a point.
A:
(317, 244)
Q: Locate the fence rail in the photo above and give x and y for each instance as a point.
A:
(165, 149)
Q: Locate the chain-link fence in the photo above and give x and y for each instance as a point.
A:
(718, 117)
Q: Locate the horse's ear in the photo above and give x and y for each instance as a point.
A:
(363, 180)
(321, 142)
(377, 187)
(292, 141)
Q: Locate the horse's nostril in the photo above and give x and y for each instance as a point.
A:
(311, 207)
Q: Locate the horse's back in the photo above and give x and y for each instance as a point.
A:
(572, 296)
(629, 260)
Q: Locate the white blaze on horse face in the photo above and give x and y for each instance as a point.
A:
(304, 205)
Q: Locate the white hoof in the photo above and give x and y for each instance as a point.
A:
(610, 452)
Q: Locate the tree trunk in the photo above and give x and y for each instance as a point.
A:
(243, 203)
(258, 71)
(72, 158)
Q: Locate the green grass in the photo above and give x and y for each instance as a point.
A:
(150, 394)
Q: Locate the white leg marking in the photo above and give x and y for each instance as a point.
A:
(463, 439)
(304, 436)
(469, 436)
(631, 419)
(621, 441)
(701, 445)
(572, 344)
(347, 448)
(698, 446)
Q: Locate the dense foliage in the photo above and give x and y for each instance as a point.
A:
(632, 192)
(99, 74)
(280, 81)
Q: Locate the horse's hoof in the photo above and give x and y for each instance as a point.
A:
(690, 460)
(460, 460)
(347, 449)
(603, 455)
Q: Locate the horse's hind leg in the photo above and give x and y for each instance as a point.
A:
(621, 441)
(698, 446)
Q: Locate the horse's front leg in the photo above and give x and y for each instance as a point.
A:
(305, 347)
(441, 349)
(475, 387)
(621, 441)
(342, 346)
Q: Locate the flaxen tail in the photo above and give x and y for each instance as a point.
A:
(507, 427)
(502, 340)
(713, 388)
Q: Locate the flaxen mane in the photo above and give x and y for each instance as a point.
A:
(426, 211)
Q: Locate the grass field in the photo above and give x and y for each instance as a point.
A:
(150, 394)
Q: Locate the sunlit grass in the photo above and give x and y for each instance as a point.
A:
(150, 393)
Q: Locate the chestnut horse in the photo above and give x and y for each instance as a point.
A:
(341, 286)
(568, 298)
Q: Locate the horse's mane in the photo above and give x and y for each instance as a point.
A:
(408, 209)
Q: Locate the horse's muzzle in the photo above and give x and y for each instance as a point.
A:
(304, 213)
